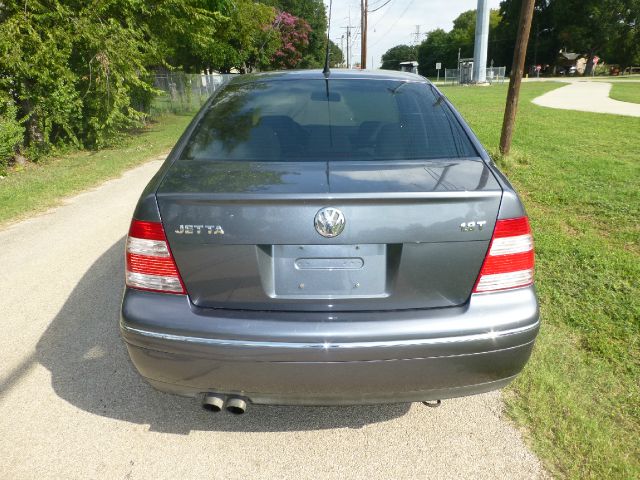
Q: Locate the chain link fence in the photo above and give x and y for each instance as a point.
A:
(184, 92)
(454, 76)
(496, 74)
(451, 76)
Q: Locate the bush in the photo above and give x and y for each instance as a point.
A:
(11, 133)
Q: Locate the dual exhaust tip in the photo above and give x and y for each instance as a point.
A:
(216, 403)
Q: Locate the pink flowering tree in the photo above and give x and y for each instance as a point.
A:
(294, 38)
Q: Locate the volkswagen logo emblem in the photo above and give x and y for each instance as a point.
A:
(329, 222)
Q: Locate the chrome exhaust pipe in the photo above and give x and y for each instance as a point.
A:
(236, 405)
(212, 402)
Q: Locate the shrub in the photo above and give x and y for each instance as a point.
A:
(11, 133)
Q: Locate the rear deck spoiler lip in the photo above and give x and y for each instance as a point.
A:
(258, 197)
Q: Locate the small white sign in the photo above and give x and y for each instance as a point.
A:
(438, 66)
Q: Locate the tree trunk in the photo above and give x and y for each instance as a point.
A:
(19, 159)
(34, 135)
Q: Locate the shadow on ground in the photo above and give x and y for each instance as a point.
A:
(90, 368)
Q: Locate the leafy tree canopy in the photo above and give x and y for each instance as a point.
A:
(314, 13)
(400, 53)
(444, 47)
(336, 57)
(294, 34)
(607, 28)
(79, 72)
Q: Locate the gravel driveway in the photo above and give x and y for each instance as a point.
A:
(72, 407)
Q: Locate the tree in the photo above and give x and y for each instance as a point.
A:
(336, 58)
(79, 72)
(443, 47)
(294, 38)
(400, 53)
(437, 47)
(11, 132)
(246, 39)
(314, 13)
(624, 47)
(70, 69)
(602, 27)
(607, 28)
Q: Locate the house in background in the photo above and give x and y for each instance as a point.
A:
(569, 63)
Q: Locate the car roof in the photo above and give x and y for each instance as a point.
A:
(336, 74)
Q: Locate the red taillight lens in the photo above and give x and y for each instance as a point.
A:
(150, 265)
(509, 261)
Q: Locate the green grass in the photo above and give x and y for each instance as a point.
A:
(579, 177)
(42, 185)
(626, 92)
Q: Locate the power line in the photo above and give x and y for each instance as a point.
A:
(394, 23)
(375, 9)
(374, 4)
(378, 22)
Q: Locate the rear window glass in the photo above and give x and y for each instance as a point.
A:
(318, 120)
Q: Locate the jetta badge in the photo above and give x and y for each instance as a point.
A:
(329, 222)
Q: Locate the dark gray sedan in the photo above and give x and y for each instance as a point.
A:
(322, 240)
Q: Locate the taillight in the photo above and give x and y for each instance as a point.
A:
(509, 261)
(150, 265)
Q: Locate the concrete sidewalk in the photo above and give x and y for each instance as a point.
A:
(587, 96)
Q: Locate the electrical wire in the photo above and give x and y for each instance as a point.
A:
(381, 6)
(374, 4)
(375, 25)
(393, 25)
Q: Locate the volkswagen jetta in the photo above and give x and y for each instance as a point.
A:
(329, 239)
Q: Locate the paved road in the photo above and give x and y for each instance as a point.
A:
(587, 96)
(71, 405)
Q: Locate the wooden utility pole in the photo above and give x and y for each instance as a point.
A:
(364, 6)
(517, 69)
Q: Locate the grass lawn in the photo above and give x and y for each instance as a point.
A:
(40, 186)
(579, 176)
(626, 92)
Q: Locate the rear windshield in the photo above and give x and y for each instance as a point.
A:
(318, 120)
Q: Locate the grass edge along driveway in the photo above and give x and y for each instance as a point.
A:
(578, 174)
(626, 92)
(43, 185)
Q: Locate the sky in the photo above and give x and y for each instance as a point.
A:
(395, 23)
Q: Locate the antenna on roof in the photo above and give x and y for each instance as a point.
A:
(326, 71)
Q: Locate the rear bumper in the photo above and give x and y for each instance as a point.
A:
(330, 358)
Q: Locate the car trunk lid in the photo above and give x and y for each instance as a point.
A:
(243, 234)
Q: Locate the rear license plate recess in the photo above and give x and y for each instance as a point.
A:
(330, 271)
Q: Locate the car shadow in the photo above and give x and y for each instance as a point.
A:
(90, 369)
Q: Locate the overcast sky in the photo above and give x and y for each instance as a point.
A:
(395, 23)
